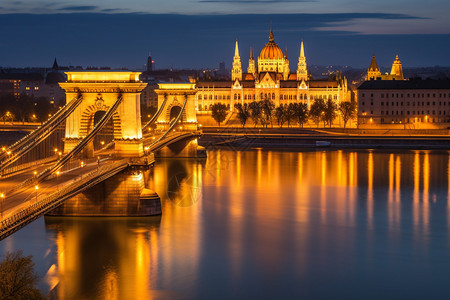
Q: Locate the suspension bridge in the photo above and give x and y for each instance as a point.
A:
(95, 137)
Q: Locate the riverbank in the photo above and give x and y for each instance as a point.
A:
(241, 139)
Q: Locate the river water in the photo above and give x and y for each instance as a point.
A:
(263, 224)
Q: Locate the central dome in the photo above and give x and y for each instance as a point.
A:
(271, 50)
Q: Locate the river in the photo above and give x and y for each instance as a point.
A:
(262, 224)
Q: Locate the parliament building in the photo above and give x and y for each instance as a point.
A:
(269, 77)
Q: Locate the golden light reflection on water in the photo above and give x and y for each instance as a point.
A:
(246, 204)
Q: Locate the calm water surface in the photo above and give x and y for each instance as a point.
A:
(263, 224)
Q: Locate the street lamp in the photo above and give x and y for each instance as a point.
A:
(2, 197)
(36, 187)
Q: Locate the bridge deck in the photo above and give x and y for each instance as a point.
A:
(23, 206)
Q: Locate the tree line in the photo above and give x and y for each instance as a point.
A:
(265, 112)
(25, 108)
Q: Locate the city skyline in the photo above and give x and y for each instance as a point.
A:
(200, 34)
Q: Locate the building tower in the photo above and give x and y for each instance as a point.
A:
(397, 70)
(236, 72)
(373, 72)
(286, 69)
(302, 72)
(251, 63)
(149, 62)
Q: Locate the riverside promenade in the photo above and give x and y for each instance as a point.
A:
(337, 138)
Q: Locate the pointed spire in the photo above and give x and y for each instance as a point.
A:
(286, 54)
(373, 64)
(236, 49)
(55, 65)
(302, 50)
(271, 33)
(252, 55)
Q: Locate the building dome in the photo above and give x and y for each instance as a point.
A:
(271, 50)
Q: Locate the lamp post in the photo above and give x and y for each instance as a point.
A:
(2, 197)
(36, 187)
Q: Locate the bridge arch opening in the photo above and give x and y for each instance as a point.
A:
(106, 134)
(174, 112)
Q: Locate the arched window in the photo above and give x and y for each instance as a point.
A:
(199, 107)
(200, 97)
(273, 96)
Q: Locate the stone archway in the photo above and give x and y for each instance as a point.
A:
(100, 91)
(175, 94)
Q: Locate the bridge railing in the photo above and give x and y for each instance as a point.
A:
(27, 143)
(34, 211)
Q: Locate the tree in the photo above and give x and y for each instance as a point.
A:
(347, 110)
(219, 112)
(300, 111)
(280, 114)
(330, 112)
(267, 108)
(243, 113)
(17, 277)
(255, 112)
(317, 110)
(290, 113)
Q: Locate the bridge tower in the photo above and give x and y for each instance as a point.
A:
(171, 98)
(100, 90)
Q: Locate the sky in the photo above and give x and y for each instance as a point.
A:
(202, 33)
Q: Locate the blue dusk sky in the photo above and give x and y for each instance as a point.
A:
(201, 33)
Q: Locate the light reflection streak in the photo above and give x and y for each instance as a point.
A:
(426, 192)
(416, 200)
(370, 189)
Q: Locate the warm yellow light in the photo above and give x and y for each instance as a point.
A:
(181, 127)
(2, 195)
(102, 142)
(153, 137)
(60, 153)
(57, 172)
(35, 172)
(3, 149)
(9, 152)
(370, 120)
(36, 187)
(56, 150)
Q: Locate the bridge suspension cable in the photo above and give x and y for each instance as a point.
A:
(27, 143)
(172, 125)
(106, 117)
(156, 115)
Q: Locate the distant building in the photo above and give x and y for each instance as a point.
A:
(40, 83)
(374, 73)
(269, 78)
(149, 63)
(404, 101)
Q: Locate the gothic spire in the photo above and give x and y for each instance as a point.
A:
(302, 50)
(236, 49)
(252, 55)
(271, 33)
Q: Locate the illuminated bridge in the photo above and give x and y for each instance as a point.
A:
(85, 152)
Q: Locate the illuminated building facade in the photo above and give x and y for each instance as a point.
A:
(374, 72)
(269, 78)
(410, 102)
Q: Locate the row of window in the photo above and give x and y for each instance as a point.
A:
(400, 112)
(266, 96)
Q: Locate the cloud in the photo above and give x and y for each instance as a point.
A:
(79, 8)
(109, 10)
(253, 1)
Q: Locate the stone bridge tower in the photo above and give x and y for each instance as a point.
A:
(100, 90)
